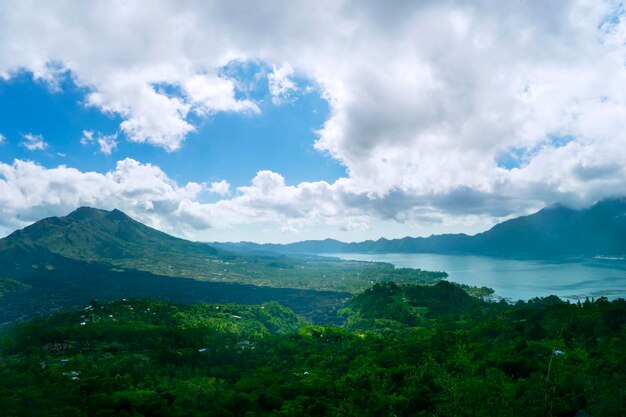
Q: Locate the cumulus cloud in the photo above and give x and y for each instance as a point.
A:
(2, 138)
(425, 97)
(29, 191)
(150, 117)
(211, 94)
(107, 143)
(220, 187)
(34, 142)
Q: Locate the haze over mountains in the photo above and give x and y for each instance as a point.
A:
(553, 232)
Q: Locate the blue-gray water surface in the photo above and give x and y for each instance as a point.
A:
(518, 279)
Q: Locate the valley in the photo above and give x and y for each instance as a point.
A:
(55, 291)
(312, 208)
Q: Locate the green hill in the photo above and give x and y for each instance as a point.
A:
(461, 357)
(390, 305)
(111, 237)
(8, 285)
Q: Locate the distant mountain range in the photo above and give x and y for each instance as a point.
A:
(553, 232)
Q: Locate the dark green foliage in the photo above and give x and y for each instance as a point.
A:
(77, 283)
(407, 305)
(8, 285)
(447, 354)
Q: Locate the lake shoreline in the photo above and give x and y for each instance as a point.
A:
(517, 279)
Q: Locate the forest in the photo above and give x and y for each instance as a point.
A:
(405, 350)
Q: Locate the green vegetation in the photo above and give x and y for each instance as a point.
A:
(389, 305)
(112, 239)
(406, 351)
(8, 285)
(478, 292)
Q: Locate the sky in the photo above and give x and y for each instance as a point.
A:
(282, 121)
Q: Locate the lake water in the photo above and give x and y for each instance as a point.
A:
(518, 279)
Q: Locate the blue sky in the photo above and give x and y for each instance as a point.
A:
(283, 121)
(231, 147)
(33, 107)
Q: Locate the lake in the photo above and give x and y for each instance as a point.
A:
(518, 279)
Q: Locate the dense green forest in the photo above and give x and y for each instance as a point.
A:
(406, 350)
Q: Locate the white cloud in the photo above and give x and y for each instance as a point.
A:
(150, 117)
(280, 84)
(424, 96)
(2, 138)
(107, 143)
(29, 191)
(211, 94)
(34, 142)
(87, 137)
(220, 187)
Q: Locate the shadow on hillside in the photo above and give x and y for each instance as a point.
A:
(75, 285)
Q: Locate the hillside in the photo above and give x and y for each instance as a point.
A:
(407, 351)
(599, 230)
(64, 262)
(556, 231)
(90, 234)
(112, 238)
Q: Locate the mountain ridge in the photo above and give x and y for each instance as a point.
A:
(91, 239)
(552, 232)
(93, 234)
